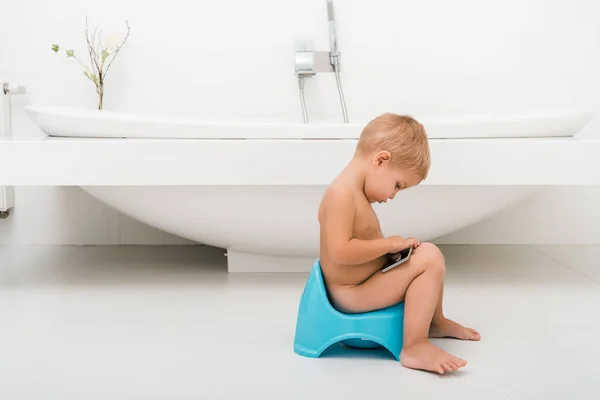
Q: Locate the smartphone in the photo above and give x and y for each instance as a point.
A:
(396, 259)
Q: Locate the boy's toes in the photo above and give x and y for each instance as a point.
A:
(473, 334)
(460, 362)
(450, 365)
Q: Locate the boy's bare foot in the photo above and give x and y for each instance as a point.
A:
(423, 355)
(448, 328)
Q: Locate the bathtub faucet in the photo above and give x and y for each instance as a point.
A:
(309, 62)
(305, 68)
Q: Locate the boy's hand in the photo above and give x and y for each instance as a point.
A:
(412, 242)
(398, 243)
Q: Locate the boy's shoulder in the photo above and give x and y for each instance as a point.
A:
(339, 195)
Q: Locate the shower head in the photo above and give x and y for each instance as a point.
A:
(330, 10)
(332, 39)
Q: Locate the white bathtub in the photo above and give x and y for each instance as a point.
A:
(258, 198)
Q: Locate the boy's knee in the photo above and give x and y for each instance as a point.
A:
(433, 256)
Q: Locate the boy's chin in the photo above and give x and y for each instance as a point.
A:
(375, 199)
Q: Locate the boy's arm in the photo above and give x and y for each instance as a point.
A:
(343, 248)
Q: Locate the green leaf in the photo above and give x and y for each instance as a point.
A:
(105, 55)
(88, 76)
(55, 48)
(70, 53)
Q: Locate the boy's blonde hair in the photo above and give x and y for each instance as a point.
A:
(403, 136)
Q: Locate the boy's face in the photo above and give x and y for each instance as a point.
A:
(385, 179)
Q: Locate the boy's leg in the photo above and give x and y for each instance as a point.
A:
(438, 314)
(417, 283)
(444, 327)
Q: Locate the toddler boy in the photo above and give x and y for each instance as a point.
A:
(392, 155)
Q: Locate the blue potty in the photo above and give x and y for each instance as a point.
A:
(320, 325)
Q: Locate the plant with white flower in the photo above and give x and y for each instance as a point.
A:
(102, 52)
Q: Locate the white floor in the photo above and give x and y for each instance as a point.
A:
(169, 323)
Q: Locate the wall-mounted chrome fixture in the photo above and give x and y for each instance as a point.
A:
(7, 200)
(309, 62)
(305, 68)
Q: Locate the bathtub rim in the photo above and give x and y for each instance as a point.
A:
(89, 123)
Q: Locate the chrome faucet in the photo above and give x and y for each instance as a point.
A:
(310, 62)
(305, 68)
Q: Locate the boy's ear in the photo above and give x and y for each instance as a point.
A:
(381, 157)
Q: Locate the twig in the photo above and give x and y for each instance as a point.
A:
(89, 46)
(96, 58)
(116, 52)
(92, 50)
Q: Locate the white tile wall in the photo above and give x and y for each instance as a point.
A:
(583, 259)
(563, 215)
(68, 215)
(53, 216)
